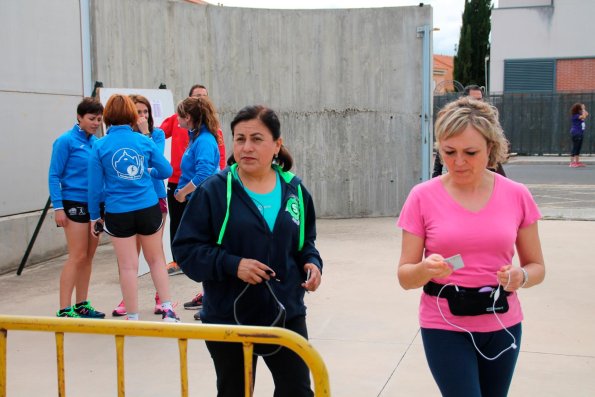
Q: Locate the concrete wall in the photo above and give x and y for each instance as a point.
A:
(560, 31)
(346, 84)
(40, 86)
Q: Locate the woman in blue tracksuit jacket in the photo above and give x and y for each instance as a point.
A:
(122, 164)
(67, 182)
(146, 126)
(201, 158)
(251, 225)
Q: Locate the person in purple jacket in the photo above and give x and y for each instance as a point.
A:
(577, 131)
(122, 165)
(68, 191)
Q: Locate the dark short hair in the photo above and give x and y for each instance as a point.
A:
(89, 105)
(120, 110)
(195, 86)
(472, 87)
(270, 119)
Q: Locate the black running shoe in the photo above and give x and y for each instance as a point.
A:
(85, 310)
(195, 303)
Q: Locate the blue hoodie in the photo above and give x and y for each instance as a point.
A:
(122, 161)
(68, 167)
(201, 158)
(246, 235)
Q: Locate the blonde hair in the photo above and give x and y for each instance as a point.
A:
(457, 115)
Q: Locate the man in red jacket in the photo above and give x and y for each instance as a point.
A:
(179, 143)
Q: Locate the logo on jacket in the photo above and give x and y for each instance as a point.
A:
(128, 164)
(293, 208)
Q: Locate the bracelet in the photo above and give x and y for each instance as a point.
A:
(525, 277)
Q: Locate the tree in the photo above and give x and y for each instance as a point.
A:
(474, 44)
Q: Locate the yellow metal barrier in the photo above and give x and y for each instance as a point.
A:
(217, 333)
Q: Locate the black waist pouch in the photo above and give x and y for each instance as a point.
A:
(463, 301)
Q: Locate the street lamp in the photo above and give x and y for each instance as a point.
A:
(485, 67)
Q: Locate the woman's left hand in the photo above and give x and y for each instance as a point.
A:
(510, 277)
(315, 279)
(179, 196)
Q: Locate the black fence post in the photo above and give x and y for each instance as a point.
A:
(34, 237)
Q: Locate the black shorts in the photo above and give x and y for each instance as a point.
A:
(78, 211)
(146, 221)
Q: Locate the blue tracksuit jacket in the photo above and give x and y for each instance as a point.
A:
(120, 164)
(158, 136)
(247, 235)
(68, 167)
(201, 158)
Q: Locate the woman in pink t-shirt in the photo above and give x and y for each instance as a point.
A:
(460, 231)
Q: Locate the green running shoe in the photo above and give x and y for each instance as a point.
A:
(68, 313)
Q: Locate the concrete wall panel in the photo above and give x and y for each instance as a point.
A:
(41, 46)
(32, 123)
(346, 84)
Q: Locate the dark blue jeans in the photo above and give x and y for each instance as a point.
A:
(459, 370)
(290, 374)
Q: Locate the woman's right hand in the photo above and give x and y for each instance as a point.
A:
(253, 272)
(435, 267)
(60, 218)
(143, 125)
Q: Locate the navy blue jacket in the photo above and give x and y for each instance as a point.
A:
(246, 236)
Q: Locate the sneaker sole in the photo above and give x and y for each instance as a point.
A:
(175, 272)
(117, 314)
(192, 307)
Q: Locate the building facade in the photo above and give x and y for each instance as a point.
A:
(542, 46)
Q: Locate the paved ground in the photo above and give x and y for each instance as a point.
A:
(364, 325)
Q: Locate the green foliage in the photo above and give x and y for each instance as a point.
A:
(474, 44)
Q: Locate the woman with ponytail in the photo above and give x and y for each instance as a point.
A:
(248, 235)
(201, 158)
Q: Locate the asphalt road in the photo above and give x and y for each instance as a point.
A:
(560, 191)
(554, 174)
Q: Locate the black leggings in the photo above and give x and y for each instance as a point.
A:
(577, 144)
(459, 370)
(290, 374)
(176, 210)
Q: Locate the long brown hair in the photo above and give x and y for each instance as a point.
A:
(141, 99)
(202, 111)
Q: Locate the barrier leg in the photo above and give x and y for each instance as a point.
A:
(248, 369)
(183, 346)
(60, 363)
(120, 364)
(3, 333)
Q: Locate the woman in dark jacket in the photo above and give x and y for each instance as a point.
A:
(246, 229)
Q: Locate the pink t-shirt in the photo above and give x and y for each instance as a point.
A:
(485, 240)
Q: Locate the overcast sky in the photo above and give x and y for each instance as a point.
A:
(447, 13)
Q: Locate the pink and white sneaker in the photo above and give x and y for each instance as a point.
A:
(158, 308)
(120, 310)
